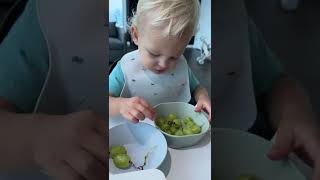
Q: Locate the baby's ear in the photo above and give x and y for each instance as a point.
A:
(134, 34)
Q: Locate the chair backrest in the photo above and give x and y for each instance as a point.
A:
(11, 17)
(111, 67)
(113, 30)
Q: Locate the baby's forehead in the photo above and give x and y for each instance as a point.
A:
(146, 25)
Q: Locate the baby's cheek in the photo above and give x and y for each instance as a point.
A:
(154, 64)
(150, 65)
(173, 65)
(147, 63)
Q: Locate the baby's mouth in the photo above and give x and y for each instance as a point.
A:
(159, 71)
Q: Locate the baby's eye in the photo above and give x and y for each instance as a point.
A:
(173, 59)
(154, 55)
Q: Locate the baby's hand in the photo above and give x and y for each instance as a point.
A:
(204, 103)
(136, 109)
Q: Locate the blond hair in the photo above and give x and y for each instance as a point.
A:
(175, 15)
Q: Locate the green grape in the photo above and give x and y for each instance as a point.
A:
(115, 150)
(177, 123)
(169, 122)
(246, 177)
(189, 118)
(160, 121)
(179, 127)
(173, 130)
(172, 116)
(164, 127)
(179, 132)
(187, 131)
(122, 161)
(195, 129)
(168, 131)
(188, 122)
(183, 122)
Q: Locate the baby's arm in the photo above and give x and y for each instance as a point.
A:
(200, 94)
(116, 83)
(114, 105)
(134, 108)
(203, 100)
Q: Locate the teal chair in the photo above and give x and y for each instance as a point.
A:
(11, 17)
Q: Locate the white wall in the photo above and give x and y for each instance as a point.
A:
(124, 7)
(204, 24)
(116, 12)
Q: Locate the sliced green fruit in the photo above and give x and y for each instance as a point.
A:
(195, 129)
(179, 132)
(122, 161)
(115, 150)
(172, 116)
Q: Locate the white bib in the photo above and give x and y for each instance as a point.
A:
(171, 86)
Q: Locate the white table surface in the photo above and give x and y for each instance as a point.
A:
(192, 163)
(149, 174)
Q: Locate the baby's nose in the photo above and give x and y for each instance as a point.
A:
(162, 64)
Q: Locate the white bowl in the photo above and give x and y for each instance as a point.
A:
(182, 110)
(238, 152)
(139, 139)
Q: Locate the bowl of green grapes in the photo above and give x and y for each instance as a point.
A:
(135, 147)
(180, 124)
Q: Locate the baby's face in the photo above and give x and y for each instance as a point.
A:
(157, 53)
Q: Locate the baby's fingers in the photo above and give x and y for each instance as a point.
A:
(207, 108)
(130, 117)
(137, 114)
(198, 107)
(146, 108)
